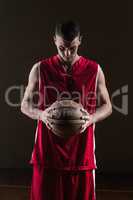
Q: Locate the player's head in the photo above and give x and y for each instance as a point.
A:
(67, 39)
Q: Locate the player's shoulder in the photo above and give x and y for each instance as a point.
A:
(47, 60)
(36, 64)
(90, 62)
(95, 66)
(34, 69)
(40, 63)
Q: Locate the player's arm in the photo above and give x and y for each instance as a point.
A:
(105, 107)
(27, 102)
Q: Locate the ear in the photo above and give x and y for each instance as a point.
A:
(54, 38)
(80, 38)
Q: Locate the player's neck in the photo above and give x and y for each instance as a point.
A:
(76, 58)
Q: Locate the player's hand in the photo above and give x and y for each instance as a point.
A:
(88, 120)
(44, 117)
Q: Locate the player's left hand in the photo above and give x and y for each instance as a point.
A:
(88, 120)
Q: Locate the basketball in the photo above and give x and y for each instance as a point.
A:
(65, 118)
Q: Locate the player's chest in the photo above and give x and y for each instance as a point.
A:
(68, 81)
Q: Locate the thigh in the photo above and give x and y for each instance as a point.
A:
(79, 185)
(46, 184)
(57, 185)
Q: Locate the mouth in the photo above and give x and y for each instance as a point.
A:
(68, 58)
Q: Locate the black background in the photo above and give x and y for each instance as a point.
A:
(26, 36)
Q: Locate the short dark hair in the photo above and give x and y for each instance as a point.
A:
(67, 29)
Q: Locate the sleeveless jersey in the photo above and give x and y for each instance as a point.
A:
(78, 151)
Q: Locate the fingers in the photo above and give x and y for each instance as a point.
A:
(44, 118)
(45, 114)
(84, 111)
(85, 117)
(48, 125)
(82, 129)
(47, 110)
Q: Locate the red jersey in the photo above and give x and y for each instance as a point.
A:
(78, 151)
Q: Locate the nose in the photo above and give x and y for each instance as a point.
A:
(67, 52)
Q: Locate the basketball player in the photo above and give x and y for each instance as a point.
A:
(63, 169)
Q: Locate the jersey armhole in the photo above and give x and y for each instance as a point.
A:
(98, 69)
(39, 75)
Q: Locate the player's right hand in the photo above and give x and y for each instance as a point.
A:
(44, 117)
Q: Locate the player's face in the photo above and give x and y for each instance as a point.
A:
(67, 50)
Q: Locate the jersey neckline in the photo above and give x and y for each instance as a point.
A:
(60, 61)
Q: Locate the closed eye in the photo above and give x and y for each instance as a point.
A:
(61, 48)
(73, 48)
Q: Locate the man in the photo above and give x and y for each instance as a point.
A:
(64, 169)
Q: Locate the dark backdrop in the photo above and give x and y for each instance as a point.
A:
(26, 29)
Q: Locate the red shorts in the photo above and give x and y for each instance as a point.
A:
(67, 185)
